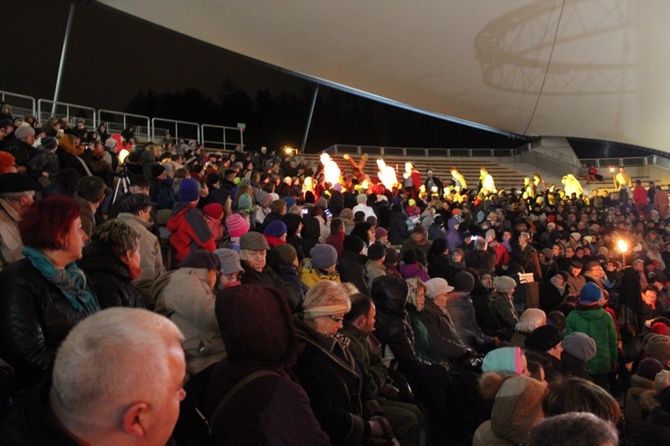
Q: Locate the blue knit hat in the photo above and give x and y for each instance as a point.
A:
(503, 360)
(590, 294)
(276, 228)
(189, 190)
(323, 256)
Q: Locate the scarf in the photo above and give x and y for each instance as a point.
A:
(70, 280)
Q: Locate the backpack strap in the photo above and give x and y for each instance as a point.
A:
(243, 382)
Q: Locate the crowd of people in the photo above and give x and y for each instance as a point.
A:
(299, 305)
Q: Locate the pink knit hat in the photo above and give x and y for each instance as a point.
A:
(237, 225)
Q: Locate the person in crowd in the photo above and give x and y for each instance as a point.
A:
(188, 228)
(45, 294)
(136, 213)
(574, 429)
(137, 355)
(112, 262)
(89, 195)
(375, 264)
(579, 395)
(275, 233)
(351, 265)
(359, 325)
(462, 313)
(418, 239)
(21, 146)
(283, 260)
(516, 410)
(257, 329)
(17, 193)
(544, 345)
(337, 234)
(553, 291)
(578, 349)
(659, 425)
(502, 304)
(640, 400)
(320, 265)
(342, 402)
(411, 267)
(589, 318)
(529, 320)
(253, 252)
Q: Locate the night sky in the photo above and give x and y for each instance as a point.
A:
(111, 57)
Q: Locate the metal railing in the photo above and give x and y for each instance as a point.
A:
(634, 161)
(21, 104)
(118, 121)
(422, 152)
(67, 110)
(218, 136)
(186, 128)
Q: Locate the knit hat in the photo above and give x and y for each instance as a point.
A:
(392, 256)
(548, 253)
(323, 256)
(544, 338)
(213, 178)
(23, 131)
(49, 142)
(659, 327)
(503, 360)
(576, 235)
(253, 241)
(353, 243)
(380, 232)
(245, 202)
(213, 210)
(322, 203)
(17, 182)
(262, 198)
(237, 225)
(437, 286)
(649, 368)
(376, 251)
(463, 281)
(282, 254)
(504, 284)
(580, 345)
(157, 170)
(276, 228)
(361, 198)
(189, 190)
(7, 161)
(658, 347)
(202, 260)
(229, 260)
(590, 294)
(290, 201)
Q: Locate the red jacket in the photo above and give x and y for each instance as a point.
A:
(189, 231)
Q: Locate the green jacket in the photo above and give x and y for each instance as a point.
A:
(598, 324)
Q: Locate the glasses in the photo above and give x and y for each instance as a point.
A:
(337, 319)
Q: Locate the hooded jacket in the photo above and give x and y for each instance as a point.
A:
(256, 326)
(188, 301)
(598, 324)
(188, 231)
(517, 408)
(110, 278)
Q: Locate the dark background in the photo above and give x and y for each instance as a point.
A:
(120, 63)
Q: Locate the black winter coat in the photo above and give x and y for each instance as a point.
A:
(35, 317)
(340, 399)
(393, 328)
(352, 269)
(110, 278)
(291, 291)
(397, 228)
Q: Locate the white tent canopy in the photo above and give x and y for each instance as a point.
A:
(581, 68)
